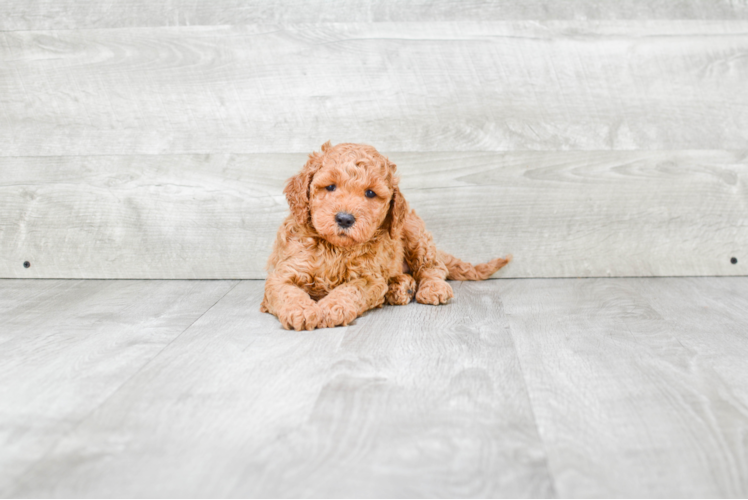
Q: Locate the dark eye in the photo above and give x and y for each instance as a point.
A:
(370, 194)
(331, 187)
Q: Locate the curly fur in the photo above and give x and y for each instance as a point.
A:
(322, 275)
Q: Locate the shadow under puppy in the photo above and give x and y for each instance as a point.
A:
(351, 243)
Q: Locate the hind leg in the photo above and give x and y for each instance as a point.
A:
(423, 259)
(434, 292)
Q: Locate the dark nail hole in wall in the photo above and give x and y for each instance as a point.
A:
(734, 260)
(27, 264)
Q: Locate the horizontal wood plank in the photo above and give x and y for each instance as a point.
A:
(428, 86)
(561, 214)
(84, 14)
(638, 385)
(413, 401)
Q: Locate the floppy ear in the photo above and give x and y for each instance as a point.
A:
(397, 213)
(297, 188)
(398, 206)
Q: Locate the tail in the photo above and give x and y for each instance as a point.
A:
(464, 271)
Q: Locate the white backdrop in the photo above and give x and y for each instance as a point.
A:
(587, 138)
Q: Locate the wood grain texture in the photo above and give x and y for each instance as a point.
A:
(638, 385)
(570, 388)
(711, 324)
(414, 401)
(67, 346)
(426, 86)
(562, 214)
(19, 300)
(83, 14)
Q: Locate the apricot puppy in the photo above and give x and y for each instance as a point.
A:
(351, 243)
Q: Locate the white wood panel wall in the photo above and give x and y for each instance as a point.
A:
(84, 14)
(588, 138)
(615, 213)
(562, 85)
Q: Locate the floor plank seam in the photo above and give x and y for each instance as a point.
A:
(551, 478)
(21, 477)
(67, 289)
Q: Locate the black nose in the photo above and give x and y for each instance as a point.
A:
(344, 219)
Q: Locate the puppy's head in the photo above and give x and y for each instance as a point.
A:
(347, 193)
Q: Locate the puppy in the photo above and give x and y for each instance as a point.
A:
(351, 243)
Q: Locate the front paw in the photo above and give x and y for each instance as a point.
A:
(401, 290)
(301, 316)
(337, 314)
(434, 292)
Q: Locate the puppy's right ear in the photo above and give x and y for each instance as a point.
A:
(297, 189)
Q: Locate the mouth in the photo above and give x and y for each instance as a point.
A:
(342, 238)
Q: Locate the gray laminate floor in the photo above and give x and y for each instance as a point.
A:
(564, 387)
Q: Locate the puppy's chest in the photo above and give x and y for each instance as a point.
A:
(331, 274)
(332, 271)
(322, 284)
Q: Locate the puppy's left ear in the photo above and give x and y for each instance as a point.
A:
(397, 213)
(398, 206)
